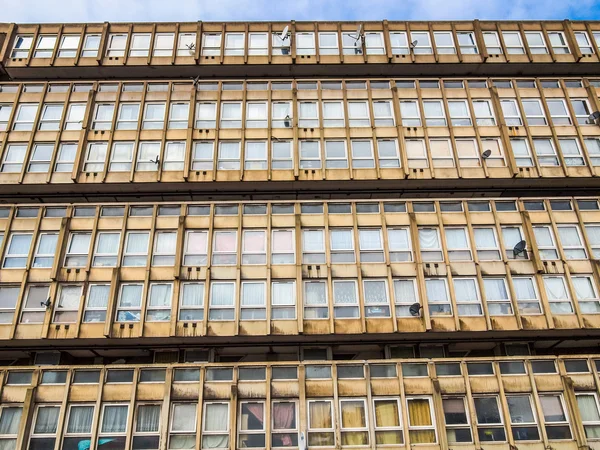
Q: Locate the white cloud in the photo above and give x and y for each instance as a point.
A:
(280, 10)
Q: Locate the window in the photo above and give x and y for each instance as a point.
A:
(527, 296)
(572, 244)
(256, 115)
(228, 155)
(534, 112)
(43, 434)
(558, 295)
(33, 310)
(203, 156)
(571, 151)
(536, 42)
(383, 113)
(22, 46)
(545, 151)
(513, 42)
(486, 244)
(371, 245)
(558, 42)
(430, 246)
(45, 250)
(222, 301)
(159, 302)
(492, 42)
(583, 41)
(254, 247)
(191, 306)
(116, 45)
(13, 158)
(555, 417)
(421, 426)
(484, 115)
(51, 116)
(305, 43)
(458, 244)
(434, 113)
(96, 303)
(467, 297)
(281, 115)
(65, 157)
(497, 296)
(582, 110)
(283, 246)
(255, 155)
(438, 298)
(10, 419)
(459, 113)
(178, 115)
(490, 426)
(215, 425)
(258, 44)
(521, 152)
(387, 151)
(121, 157)
(399, 43)
(345, 299)
(586, 294)
(78, 250)
(148, 156)
(130, 302)
(328, 44)
(154, 116)
(25, 116)
(67, 306)
(5, 111)
(186, 44)
(377, 303)
(280, 46)
(405, 295)
(103, 115)
(224, 247)
(545, 241)
(163, 44)
(335, 154)
(45, 46)
(333, 114)
(458, 428)
(17, 251)
(140, 44)
(234, 44)
(362, 154)
(39, 161)
(558, 111)
(522, 418)
(113, 424)
(421, 43)
(211, 44)
(251, 426)
(174, 156)
(374, 43)
(310, 154)
(74, 117)
(358, 114)
(313, 247)
(444, 42)
(510, 111)
(409, 110)
(165, 243)
(466, 42)
(283, 300)
(315, 300)
(354, 431)
(135, 253)
(351, 43)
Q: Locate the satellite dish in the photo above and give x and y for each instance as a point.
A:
(593, 117)
(286, 121)
(486, 154)
(415, 309)
(519, 248)
(413, 44)
(359, 29)
(284, 34)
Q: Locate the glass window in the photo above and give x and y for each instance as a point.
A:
(421, 425)
(497, 296)
(328, 43)
(467, 42)
(444, 42)
(186, 44)
(490, 426)
(163, 44)
(421, 43)
(522, 418)
(320, 423)
(438, 298)
(222, 301)
(228, 155)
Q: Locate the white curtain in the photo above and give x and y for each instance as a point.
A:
(495, 289)
(404, 291)
(175, 151)
(341, 240)
(344, 292)
(584, 289)
(137, 243)
(46, 420)
(229, 150)
(256, 150)
(69, 297)
(122, 151)
(484, 238)
(10, 419)
(155, 111)
(433, 109)
(315, 293)
(148, 418)
(216, 419)
(308, 110)
(375, 292)
(196, 242)
(543, 236)
(283, 293)
(370, 239)
(555, 288)
(333, 110)
(428, 238)
(98, 295)
(358, 110)
(569, 236)
(97, 152)
(231, 111)
(253, 294)
(456, 238)
(313, 240)
(80, 419)
(283, 241)
(382, 109)
(254, 242)
(465, 290)
(80, 243)
(398, 239)
(256, 111)
(160, 294)
(222, 294)
(207, 111)
(436, 291)
(114, 419)
(193, 294)
(184, 417)
(166, 243)
(131, 296)
(129, 111)
(19, 244)
(524, 289)
(179, 111)
(108, 243)
(47, 245)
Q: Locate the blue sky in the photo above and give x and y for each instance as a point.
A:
(269, 10)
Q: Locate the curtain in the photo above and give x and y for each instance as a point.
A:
(175, 151)
(382, 109)
(216, 419)
(80, 419)
(193, 294)
(166, 243)
(369, 239)
(98, 295)
(10, 419)
(207, 111)
(137, 243)
(69, 297)
(315, 293)
(256, 150)
(404, 291)
(254, 242)
(555, 288)
(345, 292)
(398, 239)
(284, 418)
(160, 294)
(179, 111)
(552, 408)
(283, 241)
(569, 237)
(333, 110)
(114, 419)
(104, 112)
(465, 290)
(47, 244)
(19, 244)
(225, 241)
(419, 414)
(313, 240)
(232, 111)
(67, 152)
(375, 292)
(197, 242)
(387, 416)
(129, 111)
(583, 288)
(495, 289)
(257, 411)
(184, 417)
(148, 151)
(341, 240)
(543, 236)
(456, 238)
(108, 243)
(484, 238)
(308, 110)
(253, 294)
(122, 151)
(436, 291)
(358, 110)
(519, 409)
(222, 294)
(131, 296)
(155, 111)
(80, 243)
(353, 416)
(524, 289)
(97, 152)
(320, 415)
(46, 420)
(282, 293)
(428, 238)
(256, 111)
(148, 418)
(203, 150)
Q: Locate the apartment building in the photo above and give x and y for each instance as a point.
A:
(300, 236)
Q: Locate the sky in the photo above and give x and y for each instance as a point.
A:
(60, 11)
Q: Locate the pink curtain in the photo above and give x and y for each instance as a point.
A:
(283, 418)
